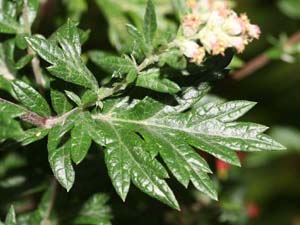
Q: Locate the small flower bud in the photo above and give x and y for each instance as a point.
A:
(233, 25)
(254, 31)
(190, 25)
(192, 50)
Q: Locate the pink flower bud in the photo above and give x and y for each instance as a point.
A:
(190, 25)
(254, 31)
(233, 25)
(192, 50)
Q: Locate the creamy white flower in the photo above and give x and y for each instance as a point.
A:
(213, 24)
(191, 24)
(233, 25)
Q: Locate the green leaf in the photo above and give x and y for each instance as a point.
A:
(116, 20)
(93, 129)
(9, 12)
(31, 99)
(32, 135)
(23, 61)
(89, 97)
(75, 98)
(7, 67)
(11, 217)
(59, 153)
(134, 133)
(151, 79)
(60, 102)
(150, 23)
(111, 64)
(8, 22)
(174, 59)
(9, 128)
(95, 211)
(138, 39)
(66, 61)
(5, 85)
(131, 76)
(80, 141)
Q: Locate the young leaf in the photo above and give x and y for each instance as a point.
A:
(198, 121)
(60, 102)
(31, 99)
(66, 61)
(111, 64)
(23, 61)
(131, 76)
(150, 23)
(138, 38)
(89, 97)
(75, 98)
(95, 211)
(11, 217)
(151, 79)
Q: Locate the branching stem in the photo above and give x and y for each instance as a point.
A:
(260, 61)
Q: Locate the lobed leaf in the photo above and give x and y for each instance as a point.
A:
(66, 61)
(134, 133)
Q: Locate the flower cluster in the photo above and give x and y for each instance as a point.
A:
(210, 26)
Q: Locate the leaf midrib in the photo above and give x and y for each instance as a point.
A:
(147, 124)
(136, 162)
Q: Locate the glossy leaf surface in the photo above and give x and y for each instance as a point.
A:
(66, 61)
(134, 132)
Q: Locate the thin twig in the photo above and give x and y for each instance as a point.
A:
(51, 202)
(28, 116)
(260, 61)
(35, 63)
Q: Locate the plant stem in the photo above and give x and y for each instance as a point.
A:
(147, 62)
(51, 202)
(29, 116)
(260, 61)
(35, 63)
